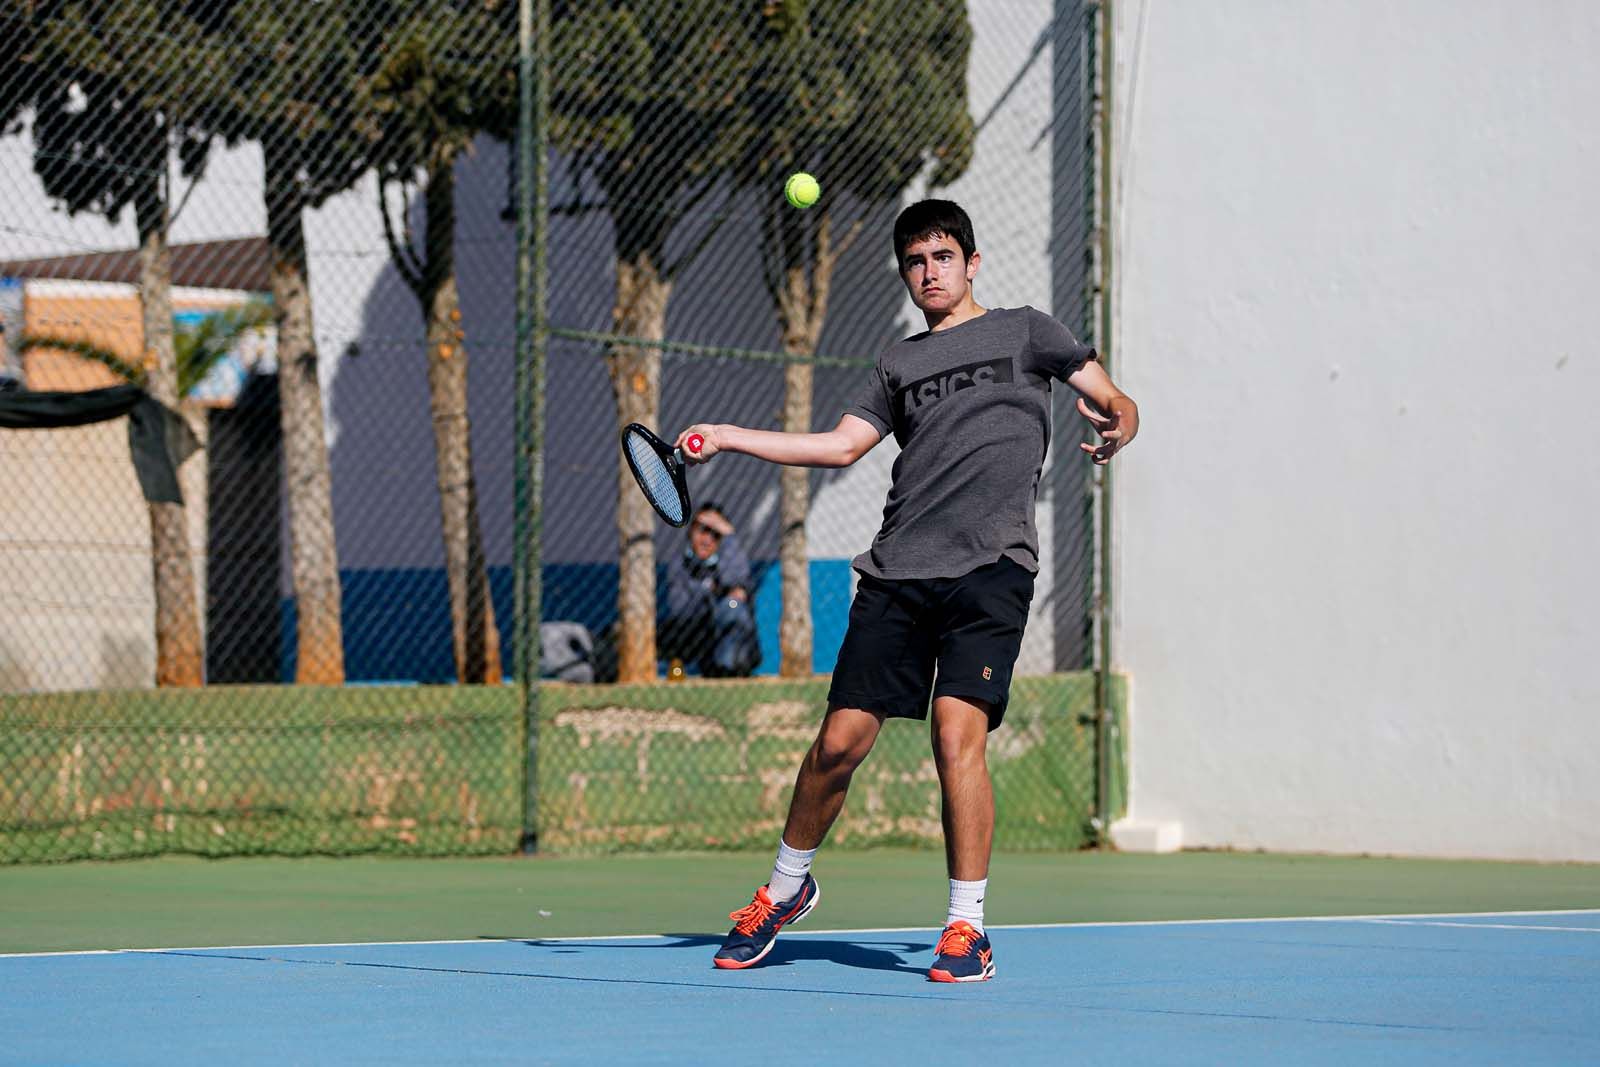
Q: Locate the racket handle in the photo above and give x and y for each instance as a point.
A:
(694, 443)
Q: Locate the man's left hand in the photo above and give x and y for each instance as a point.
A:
(1116, 427)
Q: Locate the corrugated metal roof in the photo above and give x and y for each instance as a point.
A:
(239, 263)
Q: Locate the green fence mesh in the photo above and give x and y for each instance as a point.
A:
(710, 765)
(439, 770)
(430, 770)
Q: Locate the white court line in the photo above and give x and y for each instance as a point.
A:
(332, 944)
(1487, 926)
(1393, 917)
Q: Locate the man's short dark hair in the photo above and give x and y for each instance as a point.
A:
(933, 218)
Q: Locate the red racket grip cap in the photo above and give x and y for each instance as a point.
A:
(694, 443)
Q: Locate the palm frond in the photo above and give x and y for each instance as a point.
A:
(201, 347)
(128, 372)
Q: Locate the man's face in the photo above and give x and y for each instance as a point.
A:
(936, 274)
(703, 540)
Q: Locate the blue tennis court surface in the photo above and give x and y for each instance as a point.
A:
(1515, 988)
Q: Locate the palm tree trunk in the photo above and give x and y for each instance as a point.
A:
(794, 568)
(179, 658)
(476, 640)
(313, 552)
(802, 308)
(640, 311)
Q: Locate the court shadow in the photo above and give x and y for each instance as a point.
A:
(871, 954)
(868, 955)
(581, 944)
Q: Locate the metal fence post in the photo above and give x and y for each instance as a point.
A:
(1105, 716)
(533, 95)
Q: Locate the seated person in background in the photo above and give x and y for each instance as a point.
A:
(710, 619)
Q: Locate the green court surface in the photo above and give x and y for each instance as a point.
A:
(181, 902)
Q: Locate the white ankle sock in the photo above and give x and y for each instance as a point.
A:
(789, 872)
(966, 902)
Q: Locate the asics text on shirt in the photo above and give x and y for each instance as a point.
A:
(931, 390)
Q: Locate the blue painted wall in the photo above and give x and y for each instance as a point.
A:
(397, 620)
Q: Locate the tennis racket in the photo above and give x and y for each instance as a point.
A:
(660, 471)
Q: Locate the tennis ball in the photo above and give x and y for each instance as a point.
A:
(801, 190)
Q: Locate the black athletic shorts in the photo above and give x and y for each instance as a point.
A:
(904, 633)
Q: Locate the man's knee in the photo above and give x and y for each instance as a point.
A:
(960, 735)
(843, 742)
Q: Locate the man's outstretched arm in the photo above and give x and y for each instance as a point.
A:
(838, 447)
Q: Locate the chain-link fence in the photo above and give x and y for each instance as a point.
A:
(295, 227)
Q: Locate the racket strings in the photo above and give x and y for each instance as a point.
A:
(655, 478)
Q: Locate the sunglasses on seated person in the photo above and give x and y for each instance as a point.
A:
(698, 526)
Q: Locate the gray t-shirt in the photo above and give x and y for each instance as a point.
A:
(970, 409)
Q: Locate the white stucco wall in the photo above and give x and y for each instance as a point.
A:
(1359, 247)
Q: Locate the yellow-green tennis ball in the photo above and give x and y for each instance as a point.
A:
(801, 190)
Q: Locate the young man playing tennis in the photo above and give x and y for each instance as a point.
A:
(944, 590)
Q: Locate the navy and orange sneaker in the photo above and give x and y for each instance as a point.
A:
(756, 925)
(962, 955)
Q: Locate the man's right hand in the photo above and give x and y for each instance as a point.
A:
(709, 445)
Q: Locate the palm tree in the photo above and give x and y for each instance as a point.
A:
(648, 95)
(290, 83)
(854, 91)
(437, 88)
(111, 107)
